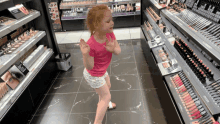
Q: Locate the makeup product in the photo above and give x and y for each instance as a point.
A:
(33, 57)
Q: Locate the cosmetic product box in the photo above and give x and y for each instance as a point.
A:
(79, 10)
(28, 53)
(18, 71)
(33, 57)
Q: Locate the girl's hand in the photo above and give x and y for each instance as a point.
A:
(110, 46)
(85, 49)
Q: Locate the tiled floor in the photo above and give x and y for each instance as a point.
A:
(74, 36)
(71, 100)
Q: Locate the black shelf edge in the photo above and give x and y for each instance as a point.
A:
(6, 4)
(20, 1)
(94, 4)
(18, 23)
(213, 108)
(194, 36)
(113, 15)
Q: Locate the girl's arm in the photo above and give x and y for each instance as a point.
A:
(117, 49)
(88, 61)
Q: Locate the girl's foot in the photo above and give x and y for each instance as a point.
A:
(111, 105)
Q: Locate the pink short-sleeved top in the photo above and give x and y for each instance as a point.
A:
(102, 57)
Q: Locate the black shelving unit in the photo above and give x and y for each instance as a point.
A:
(23, 101)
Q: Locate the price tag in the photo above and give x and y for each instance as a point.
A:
(207, 45)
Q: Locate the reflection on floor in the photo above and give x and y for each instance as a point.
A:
(71, 100)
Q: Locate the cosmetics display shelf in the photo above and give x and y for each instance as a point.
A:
(4, 4)
(156, 4)
(179, 103)
(198, 86)
(7, 60)
(94, 4)
(210, 49)
(18, 23)
(11, 97)
(83, 16)
(158, 58)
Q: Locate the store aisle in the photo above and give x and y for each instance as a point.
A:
(71, 100)
(74, 36)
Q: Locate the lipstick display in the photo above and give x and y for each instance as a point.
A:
(198, 67)
(153, 15)
(177, 8)
(193, 105)
(207, 8)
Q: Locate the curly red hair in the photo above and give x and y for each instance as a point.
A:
(95, 17)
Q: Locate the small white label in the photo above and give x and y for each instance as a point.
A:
(170, 84)
(206, 99)
(207, 45)
(188, 73)
(180, 107)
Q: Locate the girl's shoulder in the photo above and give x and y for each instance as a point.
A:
(90, 42)
(112, 35)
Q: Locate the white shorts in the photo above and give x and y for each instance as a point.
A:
(94, 82)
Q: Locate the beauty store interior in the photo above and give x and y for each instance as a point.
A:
(168, 71)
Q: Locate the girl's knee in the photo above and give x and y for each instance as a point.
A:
(107, 97)
(109, 86)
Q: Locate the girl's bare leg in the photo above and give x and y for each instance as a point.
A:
(105, 95)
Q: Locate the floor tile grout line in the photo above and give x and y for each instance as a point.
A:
(67, 34)
(87, 112)
(74, 101)
(63, 38)
(95, 91)
(111, 75)
(130, 35)
(106, 118)
(138, 79)
(30, 96)
(44, 98)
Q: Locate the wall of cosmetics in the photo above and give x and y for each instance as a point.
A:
(75, 11)
(26, 50)
(187, 32)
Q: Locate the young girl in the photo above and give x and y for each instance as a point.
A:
(97, 54)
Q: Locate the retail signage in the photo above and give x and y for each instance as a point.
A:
(54, 15)
(18, 11)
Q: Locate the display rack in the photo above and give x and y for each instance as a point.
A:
(91, 5)
(196, 42)
(10, 98)
(113, 15)
(73, 21)
(212, 50)
(9, 59)
(39, 76)
(214, 109)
